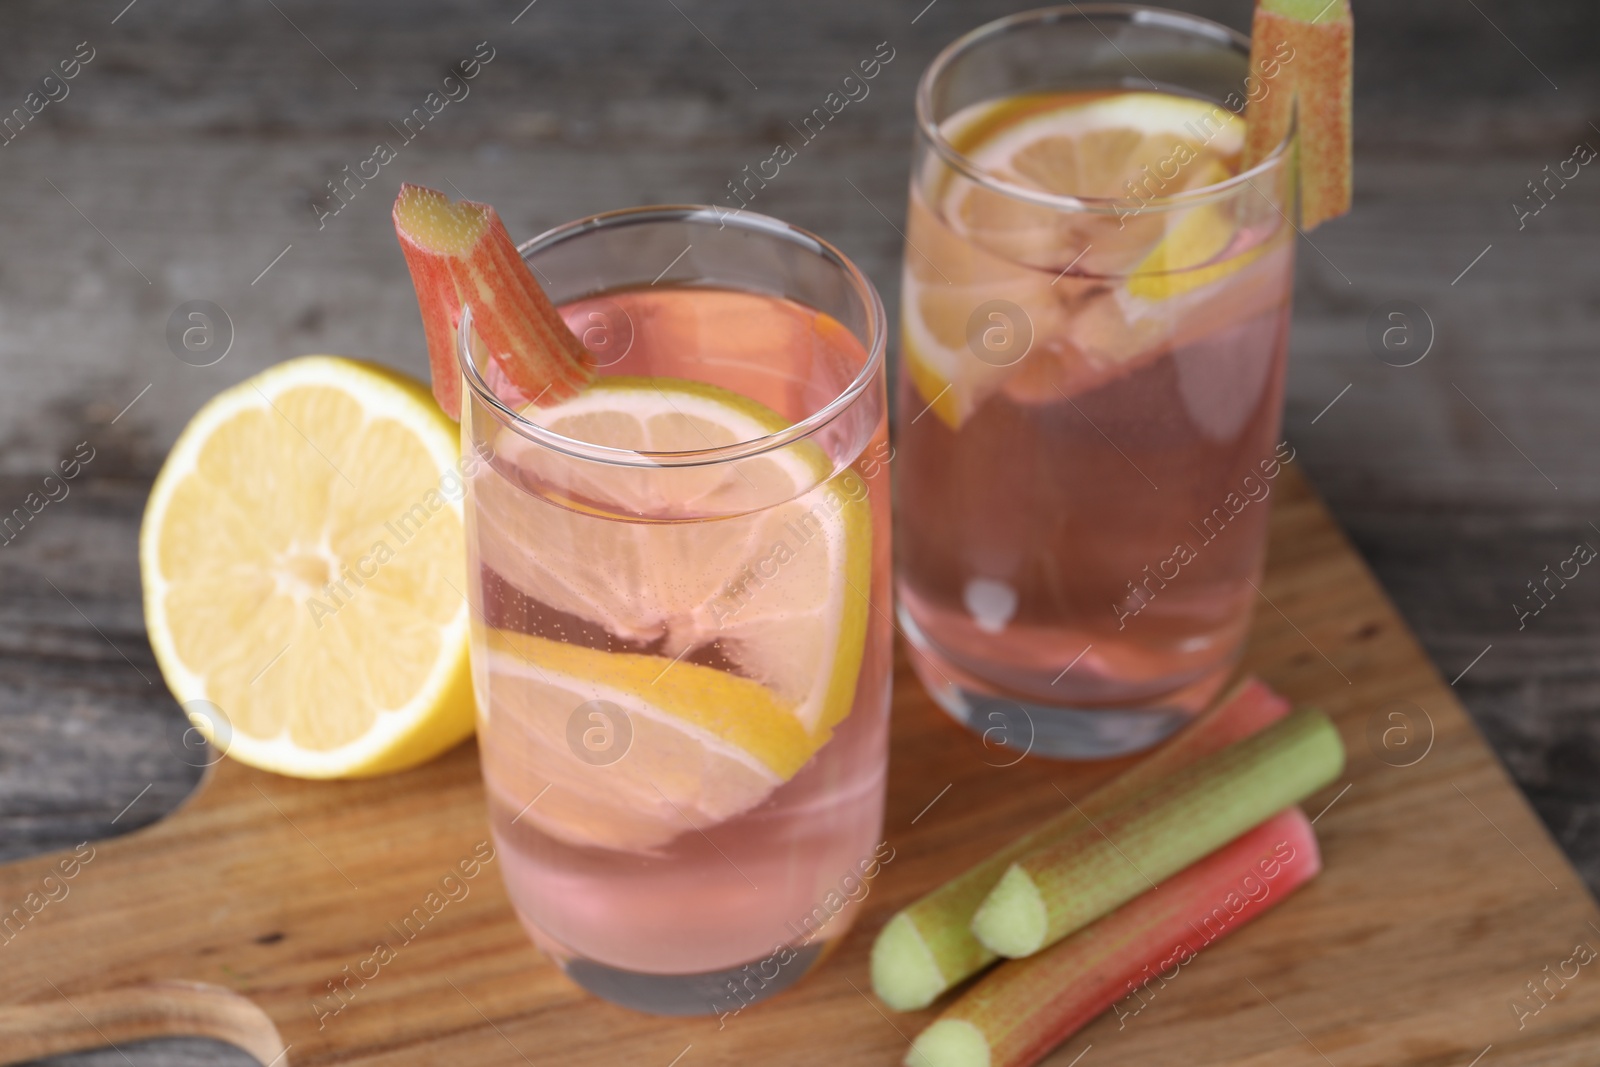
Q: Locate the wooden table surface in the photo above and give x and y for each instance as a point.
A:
(188, 158)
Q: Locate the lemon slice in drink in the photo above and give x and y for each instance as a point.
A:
(988, 245)
(1183, 261)
(1127, 147)
(961, 343)
(760, 565)
(628, 751)
(301, 554)
(1091, 146)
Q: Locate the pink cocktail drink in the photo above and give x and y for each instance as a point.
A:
(682, 648)
(1095, 313)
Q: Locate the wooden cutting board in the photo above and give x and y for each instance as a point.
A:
(1442, 899)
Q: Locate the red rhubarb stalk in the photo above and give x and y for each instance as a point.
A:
(1062, 887)
(1022, 1009)
(929, 947)
(461, 255)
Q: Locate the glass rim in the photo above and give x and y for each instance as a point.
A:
(1134, 13)
(693, 214)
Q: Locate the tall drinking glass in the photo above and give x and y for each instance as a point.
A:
(1095, 315)
(680, 583)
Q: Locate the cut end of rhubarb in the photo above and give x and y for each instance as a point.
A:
(437, 225)
(949, 1043)
(1013, 920)
(1312, 11)
(460, 255)
(905, 974)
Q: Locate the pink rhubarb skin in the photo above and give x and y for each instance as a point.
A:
(460, 254)
(1024, 1008)
(934, 931)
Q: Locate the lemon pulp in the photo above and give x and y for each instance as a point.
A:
(302, 560)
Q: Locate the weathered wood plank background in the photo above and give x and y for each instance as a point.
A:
(185, 160)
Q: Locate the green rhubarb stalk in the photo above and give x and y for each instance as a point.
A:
(1064, 886)
(929, 947)
(1022, 1009)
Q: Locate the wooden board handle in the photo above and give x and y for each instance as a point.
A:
(135, 1013)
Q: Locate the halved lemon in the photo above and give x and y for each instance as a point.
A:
(303, 565)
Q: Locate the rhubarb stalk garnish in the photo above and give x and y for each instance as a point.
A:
(460, 254)
(929, 947)
(1059, 888)
(1301, 52)
(1022, 1009)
